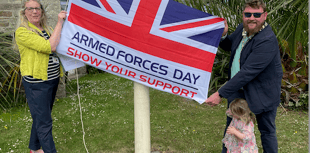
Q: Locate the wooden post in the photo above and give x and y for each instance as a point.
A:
(142, 118)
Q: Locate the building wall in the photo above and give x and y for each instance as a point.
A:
(9, 13)
(9, 21)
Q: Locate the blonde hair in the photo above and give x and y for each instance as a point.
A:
(24, 20)
(239, 107)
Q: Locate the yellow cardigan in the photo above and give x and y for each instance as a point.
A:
(34, 52)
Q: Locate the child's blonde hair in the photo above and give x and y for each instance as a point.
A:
(239, 107)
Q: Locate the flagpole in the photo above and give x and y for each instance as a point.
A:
(142, 118)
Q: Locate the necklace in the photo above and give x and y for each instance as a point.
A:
(245, 39)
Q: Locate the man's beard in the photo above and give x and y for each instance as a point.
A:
(252, 31)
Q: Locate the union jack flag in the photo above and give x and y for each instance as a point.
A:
(165, 31)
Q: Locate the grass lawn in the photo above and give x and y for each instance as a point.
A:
(177, 124)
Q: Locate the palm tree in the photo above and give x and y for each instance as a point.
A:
(289, 21)
(10, 80)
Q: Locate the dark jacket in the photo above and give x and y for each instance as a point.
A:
(260, 69)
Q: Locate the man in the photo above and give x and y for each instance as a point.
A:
(255, 71)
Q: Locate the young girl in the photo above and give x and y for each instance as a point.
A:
(239, 137)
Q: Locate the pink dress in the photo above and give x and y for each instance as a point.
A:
(236, 145)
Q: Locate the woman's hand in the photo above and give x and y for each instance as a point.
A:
(62, 16)
(55, 38)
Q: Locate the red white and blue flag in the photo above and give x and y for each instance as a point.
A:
(162, 44)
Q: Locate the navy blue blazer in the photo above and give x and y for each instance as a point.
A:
(260, 72)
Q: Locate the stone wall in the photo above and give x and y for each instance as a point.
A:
(9, 14)
(9, 21)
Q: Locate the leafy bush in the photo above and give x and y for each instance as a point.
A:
(10, 78)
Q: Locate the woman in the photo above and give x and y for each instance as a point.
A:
(40, 69)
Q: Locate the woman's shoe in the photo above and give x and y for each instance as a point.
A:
(38, 151)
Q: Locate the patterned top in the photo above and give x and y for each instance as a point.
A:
(236, 145)
(53, 71)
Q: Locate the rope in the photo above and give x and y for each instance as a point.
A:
(67, 5)
(78, 94)
(81, 115)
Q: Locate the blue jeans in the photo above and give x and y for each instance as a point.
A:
(40, 98)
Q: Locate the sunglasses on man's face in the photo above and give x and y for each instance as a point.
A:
(256, 15)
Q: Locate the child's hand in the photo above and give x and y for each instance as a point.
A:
(231, 130)
(228, 113)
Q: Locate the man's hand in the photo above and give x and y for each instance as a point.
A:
(214, 99)
(226, 28)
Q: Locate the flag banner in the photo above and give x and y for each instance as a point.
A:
(161, 44)
(69, 63)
